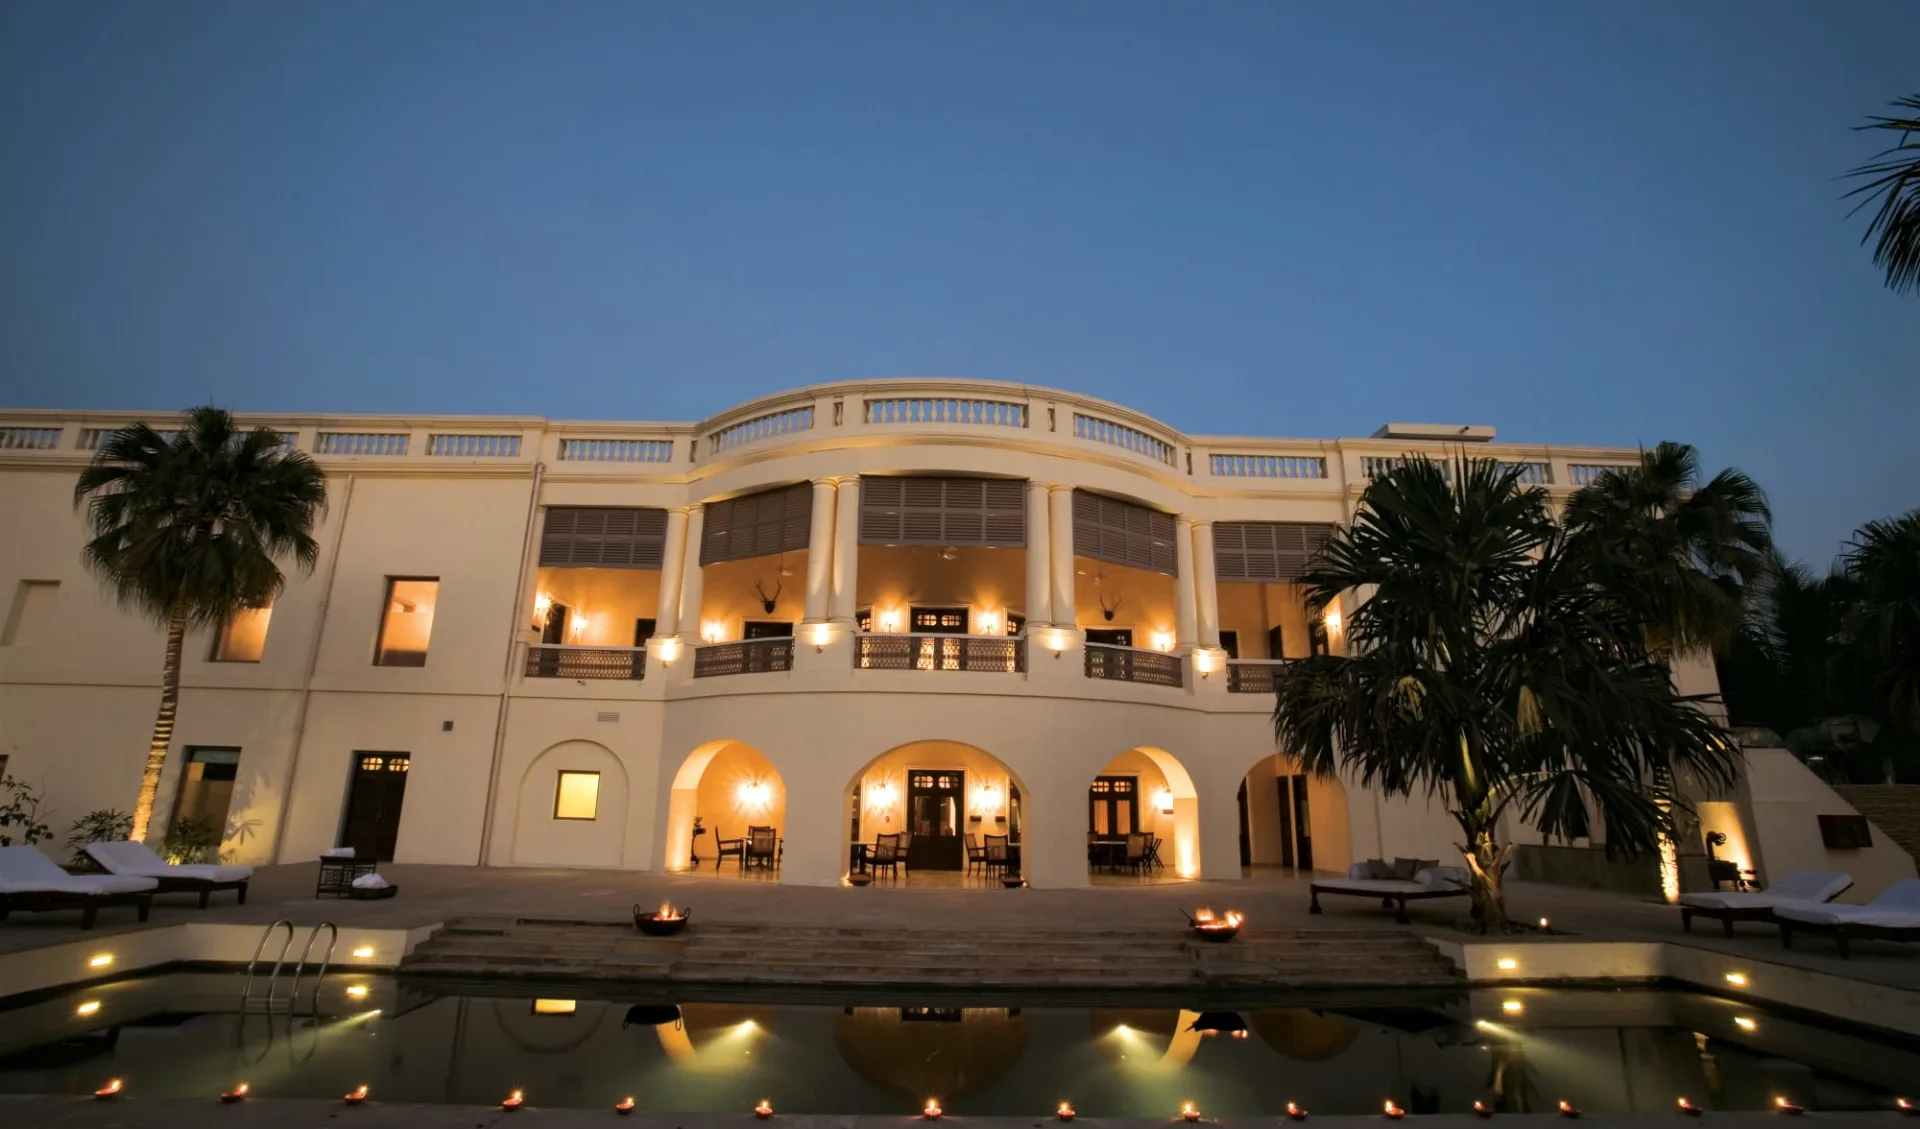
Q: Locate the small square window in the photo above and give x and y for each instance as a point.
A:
(243, 638)
(406, 625)
(578, 796)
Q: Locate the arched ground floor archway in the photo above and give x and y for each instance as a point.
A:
(1143, 820)
(1291, 820)
(935, 813)
(727, 809)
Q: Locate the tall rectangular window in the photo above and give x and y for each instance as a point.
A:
(206, 786)
(407, 624)
(31, 613)
(578, 796)
(243, 638)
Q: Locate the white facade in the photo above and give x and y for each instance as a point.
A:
(492, 718)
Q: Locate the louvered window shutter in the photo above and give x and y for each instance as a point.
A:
(1266, 550)
(1126, 533)
(919, 510)
(603, 537)
(757, 525)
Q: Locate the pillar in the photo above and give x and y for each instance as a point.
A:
(1184, 586)
(1039, 571)
(1060, 552)
(846, 550)
(820, 546)
(1206, 591)
(692, 586)
(672, 568)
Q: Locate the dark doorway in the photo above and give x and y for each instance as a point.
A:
(1113, 804)
(1276, 643)
(1246, 842)
(1111, 636)
(933, 818)
(1230, 643)
(553, 633)
(766, 629)
(642, 631)
(1296, 826)
(373, 804)
(1317, 637)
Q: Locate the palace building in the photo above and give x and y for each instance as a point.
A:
(959, 612)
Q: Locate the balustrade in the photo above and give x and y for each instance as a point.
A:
(747, 656)
(990, 653)
(1131, 664)
(545, 660)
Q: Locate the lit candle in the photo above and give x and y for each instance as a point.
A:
(625, 1106)
(1064, 1113)
(1189, 1111)
(1690, 1109)
(1906, 1107)
(1295, 1112)
(764, 1110)
(513, 1101)
(1393, 1111)
(235, 1094)
(110, 1090)
(357, 1095)
(933, 1110)
(1240, 1032)
(1568, 1109)
(1483, 1109)
(1544, 926)
(1788, 1107)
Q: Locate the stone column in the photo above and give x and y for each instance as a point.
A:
(1060, 550)
(692, 586)
(846, 550)
(820, 550)
(1039, 571)
(672, 568)
(1184, 587)
(1207, 593)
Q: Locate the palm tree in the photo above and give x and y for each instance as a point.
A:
(1893, 178)
(1882, 638)
(1685, 548)
(187, 531)
(1494, 666)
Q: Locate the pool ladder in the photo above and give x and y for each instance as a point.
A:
(273, 1002)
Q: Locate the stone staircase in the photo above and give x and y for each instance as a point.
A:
(862, 957)
(1893, 808)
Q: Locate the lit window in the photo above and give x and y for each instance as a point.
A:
(578, 796)
(243, 637)
(407, 623)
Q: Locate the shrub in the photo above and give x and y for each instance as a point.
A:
(190, 840)
(20, 820)
(106, 825)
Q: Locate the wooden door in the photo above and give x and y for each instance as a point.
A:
(372, 823)
(934, 799)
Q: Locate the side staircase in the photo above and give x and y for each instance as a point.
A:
(852, 957)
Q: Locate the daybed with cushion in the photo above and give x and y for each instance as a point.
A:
(1395, 883)
(1809, 886)
(32, 882)
(1893, 916)
(138, 860)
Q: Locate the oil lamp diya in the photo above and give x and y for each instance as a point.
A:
(357, 1095)
(513, 1101)
(1065, 1112)
(109, 1091)
(764, 1110)
(1568, 1109)
(1295, 1112)
(625, 1106)
(1392, 1111)
(1189, 1111)
(236, 1094)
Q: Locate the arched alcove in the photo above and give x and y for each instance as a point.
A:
(573, 807)
(727, 787)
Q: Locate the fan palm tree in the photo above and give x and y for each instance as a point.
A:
(1893, 179)
(1882, 637)
(187, 532)
(1495, 667)
(1685, 548)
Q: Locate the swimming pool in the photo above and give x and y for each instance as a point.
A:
(180, 1034)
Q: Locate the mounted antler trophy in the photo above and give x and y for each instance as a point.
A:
(767, 601)
(1107, 610)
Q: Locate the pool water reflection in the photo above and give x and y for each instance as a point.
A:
(1516, 1050)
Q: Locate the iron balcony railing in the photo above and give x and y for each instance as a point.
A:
(547, 660)
(1131, 664)
(1254, 676)
(748, 656)
(991, 653)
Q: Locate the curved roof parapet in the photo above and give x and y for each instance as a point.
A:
(1444, 432)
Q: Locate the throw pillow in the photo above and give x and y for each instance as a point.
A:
(1405, 868)
(1379, 868)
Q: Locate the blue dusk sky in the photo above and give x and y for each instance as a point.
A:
(1577, 222)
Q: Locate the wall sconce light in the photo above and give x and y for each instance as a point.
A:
(1203, 662)
(1332, 620)
(890, 620)
(1163, 799)
(712, 632)
(755, 795)
(579, 625)
(987, 799)
(542, 604)
(989, 622)
(881, 796)
(669, 651)
(822, 634)
(1161, 641)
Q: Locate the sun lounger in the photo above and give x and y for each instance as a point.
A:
(1394, 893)
(1893, 916)
(32, 882)
(138, 860)
(1812, 886)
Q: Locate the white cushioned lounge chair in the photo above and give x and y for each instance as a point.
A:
(1802, 886)
(32, 882)
(1893, 916)
(1394, 893)
(138, 860)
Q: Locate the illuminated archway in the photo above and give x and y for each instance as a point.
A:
(1164, 803)
(1294, 820)
(726, 786)
(989, 799)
